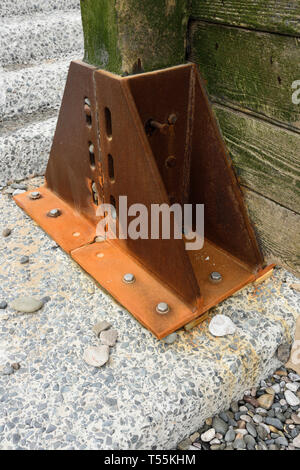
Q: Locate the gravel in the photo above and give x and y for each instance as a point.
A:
(276, 428)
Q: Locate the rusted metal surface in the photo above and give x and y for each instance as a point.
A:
(153, 138)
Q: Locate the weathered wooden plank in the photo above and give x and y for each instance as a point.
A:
(266, 15)
(252, 70)
(266, 157)
(130, 36)
(278, 231)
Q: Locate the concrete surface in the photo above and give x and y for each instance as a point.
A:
(150, 395)
(31, 39)
(23, 7)
(25, 147)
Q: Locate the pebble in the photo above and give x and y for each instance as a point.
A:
(239, 442)
(109, 337)
(6, 232)
(296, 442)
(291, 398)
(3, 305)
(208, 435)
(281, 441)
(266, 401)
(293, 387)
(221, 325)
(276, 388)
(18, 191)
(16, 366)
(262, 431)
(219, 425)
(101, 326)
(24, 259)
(230, 435)
(249, 441)
(257, 419)
(96, 356)
(26, 304)
(283, 352)
(274, 422)
(194, 437)
(185, 444)
(251, 429)
(295, 418)
(294, 377)
(171, 338)
(246, 418)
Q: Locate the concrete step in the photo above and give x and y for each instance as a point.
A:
(32, 39)
(24, 147)
(31, 89)
(25, 7)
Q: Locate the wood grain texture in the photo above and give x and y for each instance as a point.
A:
(266, 15)
(252, 70)
(266, 157)
(277, 229)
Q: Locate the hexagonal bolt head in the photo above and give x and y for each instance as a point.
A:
(129, 278)
(162, 308)
(215, 276)
(54, 213)
(35, 195)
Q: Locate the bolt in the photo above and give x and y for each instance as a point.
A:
(172, 119)
(54, 213)
(162, 308)
(87, 110)
(129, 278)
(215, 276)
(163, 128)
(35, 195)
(91, 148)
(87, 102)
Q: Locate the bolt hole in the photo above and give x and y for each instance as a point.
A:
(111, 168)
(171, 162)
(217, 46)
(76, 234)
(108, 123)
(92, 155)
(279, 80)
(95, 193)
(100, 255)
(88, 111)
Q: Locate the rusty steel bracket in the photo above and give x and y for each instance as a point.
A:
(153, 138)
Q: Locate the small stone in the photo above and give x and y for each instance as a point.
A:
(230, 435)
(276, 388)
(251, 429)
(296, 442)
(252, 401)
(208, 421)
(281, 372)
(19, 186)
(219, 425)
(246, 418)
(249, 441)
(208, 435)
(185, 444)
(101, 326)
(16, 366)
(171, 338)
(6, 232)
(283, 352)
(274, 422)
(262, 431)
(295, 418)
(281, 441)
(221, 325)
(239, 442)
(26, 304)
(270, 390)
(266, 401)
(243, 432)
(294, 377)
(50, 428)
(194, 437)
(257, 419)
(109, 337)
(24, 259)
(293, 387)
(3, 305)
(18, 191)
(295, 287)
(215, 441)
(96, 356)
(291, 398)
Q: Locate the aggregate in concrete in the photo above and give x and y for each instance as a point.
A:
(26, 7)
(32, 39)
(150, 395)
(24, 151)
(34, 89)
